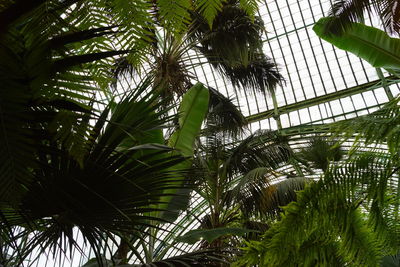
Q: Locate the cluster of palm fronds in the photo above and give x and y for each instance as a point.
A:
(244, 64)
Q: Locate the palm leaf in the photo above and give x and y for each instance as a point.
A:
(14, 11)
(232, 28)
(262, 148)
(209, 10)
(391, 261)
(379, 127)
(114, 189)
(319, 152)
(210, 235)
(174, 14)
(261, 74)
(264, 196)
(347, 12)
(243, 63)
(224, 116)
(192, 112)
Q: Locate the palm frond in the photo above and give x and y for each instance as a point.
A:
(14, 10)
(198, 258)
(224, 115)
(380, 127)
(243, 63)
(262, 148)
(111, 192)
(265, 197)
(174, 15)
(319, 152)
(208, 10)
(261, 74)
(348, 11)
(232, 28)
(31, 114)
(58, 170)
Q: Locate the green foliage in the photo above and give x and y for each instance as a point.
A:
(391, 261)
(264, 197)
(63, 163)
(243, 63)
(44, 91)
(335, 207)
(192, 111)
(371, 44)
(199, 258)
(261, 74)
(210, 235)
(380, 127)
(66, 165)
(109, 193)
(209, 10)
(319, 152)
(233, 28)
(95, 263)
(232, 45)
(224, 116)
(349, 216)
(174, 14)
(350, 11)
(239, 182)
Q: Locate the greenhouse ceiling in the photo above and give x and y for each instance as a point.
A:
(323, 83)
(90, 114)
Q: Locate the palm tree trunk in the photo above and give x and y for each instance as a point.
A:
(122, 252)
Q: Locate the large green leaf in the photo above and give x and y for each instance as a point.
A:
(210, 235)
(192, 111)
(368, 43)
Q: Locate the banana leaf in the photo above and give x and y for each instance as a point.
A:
(368, 43)
(192, 112)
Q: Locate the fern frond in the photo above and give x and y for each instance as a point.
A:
(209, 9)
(174, 14)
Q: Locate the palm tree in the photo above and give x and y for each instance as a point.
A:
(110, 192)
(233, 46)
(171, 55)
(319, 152)
(240, 184)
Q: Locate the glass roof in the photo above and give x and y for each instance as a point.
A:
(323, 84)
